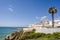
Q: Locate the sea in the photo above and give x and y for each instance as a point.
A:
(4, 31)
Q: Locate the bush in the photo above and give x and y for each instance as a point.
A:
(56, 35)
(42, 36)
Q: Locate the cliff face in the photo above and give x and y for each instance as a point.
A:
(13, 36)
(17, 35)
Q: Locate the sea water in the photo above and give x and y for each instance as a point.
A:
(7, 30)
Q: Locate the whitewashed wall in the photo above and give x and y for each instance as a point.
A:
(47, 30)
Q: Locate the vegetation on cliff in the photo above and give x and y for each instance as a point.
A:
(40, 36)
(37, 36)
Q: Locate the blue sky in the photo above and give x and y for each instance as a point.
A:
(25, 12)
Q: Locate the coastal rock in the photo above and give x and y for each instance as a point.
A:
(13, 36)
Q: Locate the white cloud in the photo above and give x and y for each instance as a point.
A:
(37, 17)
(43, 17)
(10, 9)
(10, 6)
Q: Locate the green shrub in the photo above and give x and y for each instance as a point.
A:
(56, 35)
(42, 36)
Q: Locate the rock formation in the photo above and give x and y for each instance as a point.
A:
(13, 36)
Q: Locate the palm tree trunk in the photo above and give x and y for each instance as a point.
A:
(53, 20)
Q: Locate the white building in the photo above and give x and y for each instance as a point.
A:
(46, 23)
(45, 26)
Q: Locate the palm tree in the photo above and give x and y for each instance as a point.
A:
(52, 10)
